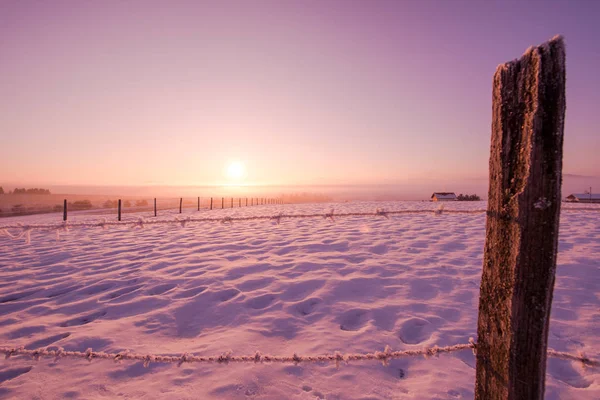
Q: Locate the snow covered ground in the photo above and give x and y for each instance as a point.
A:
(306, 286)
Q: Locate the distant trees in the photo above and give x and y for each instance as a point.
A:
(110, 204)
(126, 203)
(30, 191)
(468, 197)
(1, 190)
(80, 205)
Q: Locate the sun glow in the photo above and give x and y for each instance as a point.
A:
(236, 171)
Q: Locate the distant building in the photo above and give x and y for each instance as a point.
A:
(443, 196)
(584, 198)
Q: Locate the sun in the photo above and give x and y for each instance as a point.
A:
(236, 171)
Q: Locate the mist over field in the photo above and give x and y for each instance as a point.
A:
(411, 190)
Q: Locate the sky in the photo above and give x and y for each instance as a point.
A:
(297, 92)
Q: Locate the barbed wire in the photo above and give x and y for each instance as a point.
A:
(183, 221)
(26, 229)
(572, 357)
(384, 356)
(228, 357)
(276, 217)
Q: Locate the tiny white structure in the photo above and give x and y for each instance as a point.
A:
(584, 198)
(443, 196)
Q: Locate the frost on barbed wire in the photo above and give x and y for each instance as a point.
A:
(227, 357)
(277, 218)
(382, 212)
(26, 233)
(329, 216)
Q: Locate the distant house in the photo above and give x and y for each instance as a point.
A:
(443, 196)
(584, 198)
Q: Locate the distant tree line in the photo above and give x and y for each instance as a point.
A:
(126, 203)
(80, 205)
(26, 191)
(468, 197)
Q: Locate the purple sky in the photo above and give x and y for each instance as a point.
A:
(171, 92)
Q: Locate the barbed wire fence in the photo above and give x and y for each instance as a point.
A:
(383, 356)
(24, 230)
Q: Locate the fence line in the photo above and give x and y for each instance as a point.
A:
(140, 222)
(128, 206)
(225, 358)
(65, 226)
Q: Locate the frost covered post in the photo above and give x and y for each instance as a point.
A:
(519, 260)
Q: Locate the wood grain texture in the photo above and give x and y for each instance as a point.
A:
(522, 224)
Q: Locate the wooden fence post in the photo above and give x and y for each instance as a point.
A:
(119, 211)
(222, 202)
(239, 201)
(519, 261)
(155, 206)
(65, 210)
(232, 202)
(246, 202)
(198, 203)
(180, 204)
(211, 203)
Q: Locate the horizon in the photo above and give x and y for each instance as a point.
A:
(407, 191)
(272, 94)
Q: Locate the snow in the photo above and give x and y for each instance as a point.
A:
(308, 286)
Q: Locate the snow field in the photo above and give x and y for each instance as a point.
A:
(306, 286)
